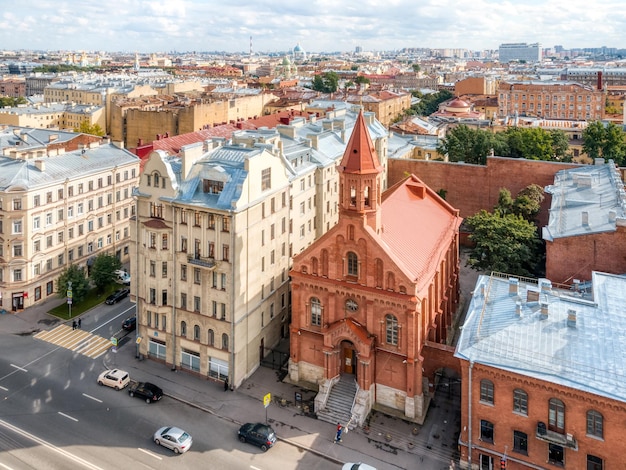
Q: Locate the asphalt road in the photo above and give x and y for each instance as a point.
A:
(53, 415)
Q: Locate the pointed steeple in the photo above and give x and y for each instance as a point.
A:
(361, 177)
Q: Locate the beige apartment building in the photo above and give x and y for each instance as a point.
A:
(551, 100)
(59, 116)
(216, 229)
(60, 208)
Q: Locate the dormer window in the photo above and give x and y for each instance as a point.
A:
(212, 186)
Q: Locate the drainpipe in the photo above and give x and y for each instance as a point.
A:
(231, 260)
(469, 417)
(136, 278)
(174, 242)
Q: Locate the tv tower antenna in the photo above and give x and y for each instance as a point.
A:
(250, 45)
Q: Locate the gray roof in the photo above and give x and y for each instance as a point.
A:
(589, 355)
(18, 173)
(29, 137)
(585, 200)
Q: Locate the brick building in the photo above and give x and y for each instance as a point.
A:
(370, 292)
(542, 381)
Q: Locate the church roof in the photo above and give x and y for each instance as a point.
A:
(360, 155)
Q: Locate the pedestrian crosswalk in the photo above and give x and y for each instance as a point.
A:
(79, 341)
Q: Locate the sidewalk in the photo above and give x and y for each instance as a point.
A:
(390, 444)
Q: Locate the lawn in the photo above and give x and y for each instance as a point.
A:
(92, 299)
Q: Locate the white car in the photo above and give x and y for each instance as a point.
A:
(118, 379)
(122, 277)
(173, 438)
(357, 466)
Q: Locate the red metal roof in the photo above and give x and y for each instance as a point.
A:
(360, 155)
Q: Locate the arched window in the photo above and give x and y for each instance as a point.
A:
(314, 266)
(350, 232)
(316, 311)
(520, 401)
(556, 415)
(595, 424)
(391, 328)
(183, 328)
(196, 333)
(157, 181)
(486, 391)
(225, 341)
(211, 339)
(352, 196)
(366, 193)
(353, 264)
(379, 273)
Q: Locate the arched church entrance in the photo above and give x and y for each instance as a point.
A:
(348, 358)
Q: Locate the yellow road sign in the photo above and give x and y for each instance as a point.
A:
(267, 400)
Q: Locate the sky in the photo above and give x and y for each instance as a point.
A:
(317, 25)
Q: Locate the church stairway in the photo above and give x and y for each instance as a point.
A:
(339, 404)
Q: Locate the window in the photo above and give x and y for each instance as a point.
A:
(212, 221)
(316, 311)
(196, 304)
(36, 201)
(196, 333)
(36, 223)
(164, 241)
(214, 280)
(266, 179)
(164, 297)
(556, 415)
(353, 264)
(183, 272)
(595, 424)
(486, 391)
(391, 328)
(486, 430)
(211, 339)
(520, 402)
(225, 342)
(183, 328)
(225, 224)
(17, 250)
(556, 455)
(183, 301)
(164, 269)
(223, 307)
(17, 204)
(223, 280)
(594, 463)
(17, 226)
(520, 442)
(17, 275)
(152, 268)
(196, 275)
(225, 252)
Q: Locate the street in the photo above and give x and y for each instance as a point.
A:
(53, 415)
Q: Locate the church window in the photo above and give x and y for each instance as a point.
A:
(366, 194)
(353, 264)
(391, 327)
(352, 196)
(316, 311)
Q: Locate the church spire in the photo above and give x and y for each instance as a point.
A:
(361, 177)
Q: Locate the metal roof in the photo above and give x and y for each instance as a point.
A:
(588, 354)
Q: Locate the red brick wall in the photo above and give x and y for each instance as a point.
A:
(471, 188)
(501, 414)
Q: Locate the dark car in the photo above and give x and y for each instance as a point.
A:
(258, 434)
(145, 391)
(129, 324)
(116, 296)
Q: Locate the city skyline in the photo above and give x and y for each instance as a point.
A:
(277, 25)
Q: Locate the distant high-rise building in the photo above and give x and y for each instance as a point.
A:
(520, 51)
(358, 49)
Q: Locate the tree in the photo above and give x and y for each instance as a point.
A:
(362, 80)
(428, 104)
(327, 82)
(92, 129)
(600, 141)
(505, 243)
(468, 145)
(80, 284)
(10, 102)
(415, 67)
(526, 205)
(103, 270)
(560, 145)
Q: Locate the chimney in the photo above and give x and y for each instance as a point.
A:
(571, 318)
(612, 216)
(513, 286)
(518, 308)
(600, 80)
(544, 310)
(585, 217)
(40, 165)
(546, 285)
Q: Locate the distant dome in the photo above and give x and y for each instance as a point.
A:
(457, 106)
(298, 48)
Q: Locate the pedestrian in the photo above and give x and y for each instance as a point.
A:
(79, 323)
(339, 431)
(73, 324)
(226, 384)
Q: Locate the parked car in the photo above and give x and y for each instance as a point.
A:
(115, 378)
(129, 324)
(117, 296)
(173, 438)
(259, 434)
(357, 466)
(122, 277)
(146, 391)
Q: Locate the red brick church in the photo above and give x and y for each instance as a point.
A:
(368, 294)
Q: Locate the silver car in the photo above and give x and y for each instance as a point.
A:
(173, 438)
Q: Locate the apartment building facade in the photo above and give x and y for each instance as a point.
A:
(519, 51)
(215, 231)
(552, 100)
(61, 208)
(541, 386)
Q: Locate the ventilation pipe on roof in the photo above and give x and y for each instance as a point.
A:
(518, 308)
(571, 318)
(544, 309)
(612, 216)
(513, 286)
(585, 218)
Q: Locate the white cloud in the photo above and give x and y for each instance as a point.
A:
(318, 25)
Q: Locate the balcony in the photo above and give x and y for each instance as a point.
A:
(552, 437)
(201, 261)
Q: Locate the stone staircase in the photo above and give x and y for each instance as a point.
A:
(338, 407)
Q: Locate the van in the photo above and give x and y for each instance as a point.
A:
(122, 277)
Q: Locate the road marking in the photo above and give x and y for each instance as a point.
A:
(4, 388)
(19, 368)
(65, 453)
(254, 468)
(68, 416)
(4, 466)
(150, 453)
(93, 398)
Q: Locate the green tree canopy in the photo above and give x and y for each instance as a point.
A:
(103, 270)
(463, 143)
(361, 80)
(327, 82)
(600, 141)
(505, 243)
(429, 103)
(526, 205)
(10, 102)
(86, 128)
(415, 67)
(80, 284)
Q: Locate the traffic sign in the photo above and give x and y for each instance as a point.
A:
(69, 301)
(113, 340)
(138, 340)
(267, 399)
